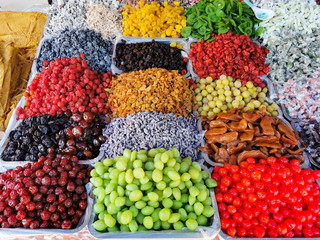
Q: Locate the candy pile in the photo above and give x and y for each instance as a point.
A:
(150, 130)
(151, 90)
(80, 135)
(302, 98)
(293, 42)
(272, 198)
(241, 58)
(184, 3)
(66, 84)
(141, 56)
(49, 193)
(225, 93)
(153, 20)
(72, 43)
(233, 136)
(104, 20)
(310, 135)
(154, 189)
(209, 17)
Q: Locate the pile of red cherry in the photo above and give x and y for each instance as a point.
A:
(272, 198)
(50, 193)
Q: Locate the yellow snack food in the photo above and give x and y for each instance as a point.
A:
(20, 34)
(154, 89)
(153, 20)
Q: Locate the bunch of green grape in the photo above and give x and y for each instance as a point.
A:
(153, 189)
(226, 93)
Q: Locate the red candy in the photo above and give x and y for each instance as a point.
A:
(231, 55)
(272, 198)
(66, 84)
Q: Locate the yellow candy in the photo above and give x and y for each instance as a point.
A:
(179, 46)
(173, 44)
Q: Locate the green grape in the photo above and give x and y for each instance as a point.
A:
(157, 225)
(155, 214)
(188, 208)
(161, 185)
(157, 175)
(202, 195)
(134, 211)
(148, 222)
(136, 182)
(140, 204)
(141, 228)
(177, 204)
(133, 226)
(133, 156)
(194, 191)
(174, 184)
(167, 203)
(158, 164)
(138, 173)
(100, 169)
(137, 164)
(101, 196)
(121, 164)
(120, 191)
(120, 201)
(167, 192)
(143, 157)
(144, 180)
(173, 175)
(192, 215)
(124, 228)
(191, 224)
(109, 220)
(147, 210)
(96, 191)
(113, 229)
(185, 177)
(211, 183)
(94, 173)
(208, 211)
(149, 174)
(192, 200)
(189, 184)
(184, 198)
(106, 200)
(157, 157)
(154, 197)
(177, 167)
(149, 166)
(99, 225)
(106, 176)
(183, 214)
(98, 207)
(194, 173)
(107, 162)
(153, 204)
(113, 195)
(198, 208)
(112, 209)
(178, 226)
(196, 165)
(164, 157)
(184, 167)
(135, 195)
(202, 220)
(140, 218)
(132, 187)
(165, 225)
(204, 175)
(152, 152)
(101, 215)
(126, 217)
(207, 202)
(164, 214)
(182, 185)
(129, 176)
(167, 169)
(171, 162)
(122, 178)
(145, 198)
(176, 193)
(128, 202)
(174, 217)
(96, 181)
(147, 186)
(127, 154)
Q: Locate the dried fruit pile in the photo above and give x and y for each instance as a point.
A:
(66, 84)
(141, 56)
(231, 55)
(49, 193)
(272, 198)
(79, 135)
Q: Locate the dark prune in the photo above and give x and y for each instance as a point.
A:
(61, 143)
(96, 143)
(81, 146)
(43, 129)
(102, 138)
(42, 148)
(54, 128)
(34, 150)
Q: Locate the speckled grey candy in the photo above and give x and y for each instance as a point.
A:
(146, 130)
(71, 43)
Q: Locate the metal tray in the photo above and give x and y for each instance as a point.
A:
(203, 233)
(7, 232)
(184, 51)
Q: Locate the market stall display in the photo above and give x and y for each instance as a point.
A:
(158, 102)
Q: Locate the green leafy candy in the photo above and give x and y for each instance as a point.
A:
(186, 31)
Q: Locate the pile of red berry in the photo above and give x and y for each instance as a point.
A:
(49, 193)
(272, 198)
(231, 55)
(66, 84)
